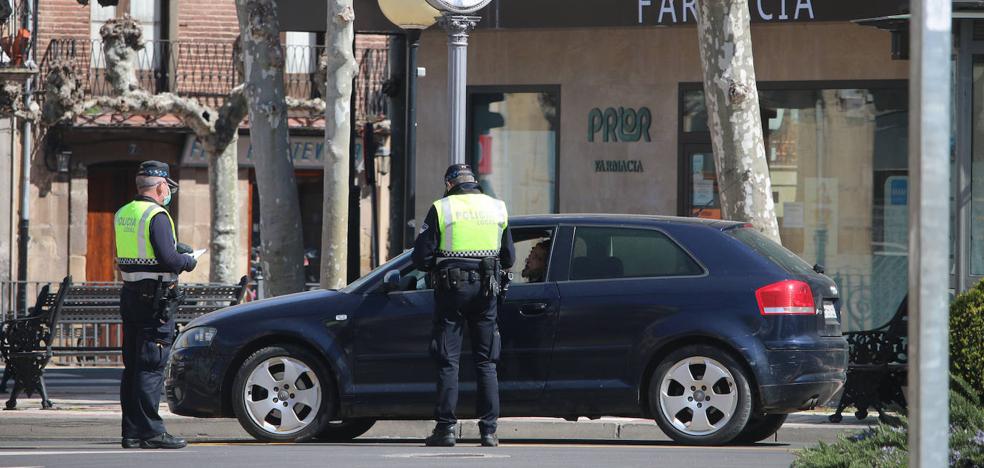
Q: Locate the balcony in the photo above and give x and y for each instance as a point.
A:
(15, 41)
(205, 71)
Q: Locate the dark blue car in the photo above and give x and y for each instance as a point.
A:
(708, 327)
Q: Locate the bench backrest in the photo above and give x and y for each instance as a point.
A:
(100, 303)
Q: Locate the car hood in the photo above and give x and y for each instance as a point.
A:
(291, 305)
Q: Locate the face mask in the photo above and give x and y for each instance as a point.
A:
(167, 199)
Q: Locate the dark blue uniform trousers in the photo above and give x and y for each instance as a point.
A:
(146, 345)
(456, 309)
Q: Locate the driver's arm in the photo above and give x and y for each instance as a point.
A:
(427, 241)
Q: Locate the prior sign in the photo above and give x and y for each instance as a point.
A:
(622, 124)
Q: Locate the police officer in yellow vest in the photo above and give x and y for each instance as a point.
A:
(147, 256)
(465, 244)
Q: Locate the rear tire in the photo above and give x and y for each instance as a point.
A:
(283, 393)
(760, 428)
(344, 431)
(699, 395)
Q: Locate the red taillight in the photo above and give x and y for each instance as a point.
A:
(788, 297)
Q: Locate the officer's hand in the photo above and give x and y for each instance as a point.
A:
(183, 248)
(193, 264)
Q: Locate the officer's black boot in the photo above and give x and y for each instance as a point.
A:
(130, 443)
(163, 441)
(441, 437)
(490, 440)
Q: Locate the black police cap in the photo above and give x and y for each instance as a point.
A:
(459, 173)
(156, 169)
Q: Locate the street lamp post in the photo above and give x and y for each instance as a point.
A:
(456, 19)
(457, 27)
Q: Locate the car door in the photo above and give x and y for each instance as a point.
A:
(621, 281)
(528, 322)
(392, 369)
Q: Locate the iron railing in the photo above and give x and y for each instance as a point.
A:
(206, 71)
(15, 40)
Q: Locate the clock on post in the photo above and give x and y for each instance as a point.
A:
(458, 7)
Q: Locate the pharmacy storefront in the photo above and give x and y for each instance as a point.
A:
(602, 110)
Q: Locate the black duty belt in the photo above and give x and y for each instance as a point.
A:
(456, 274)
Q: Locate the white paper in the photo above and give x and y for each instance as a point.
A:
(792, 215)
(197, 253)
(829, 311)
(703, 192)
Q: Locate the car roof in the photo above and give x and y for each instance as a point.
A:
(587, 219)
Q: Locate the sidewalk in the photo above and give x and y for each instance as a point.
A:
(97, 417)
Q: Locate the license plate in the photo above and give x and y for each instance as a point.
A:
(829, 312)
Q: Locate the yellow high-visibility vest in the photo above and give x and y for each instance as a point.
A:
(470, 225)
(132, 225)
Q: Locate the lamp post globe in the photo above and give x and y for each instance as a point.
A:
(409, 14)
(459, 7)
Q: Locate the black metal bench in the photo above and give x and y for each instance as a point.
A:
(878, 367)
(85, 304)
(25, 344)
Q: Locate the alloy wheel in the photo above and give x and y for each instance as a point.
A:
(698, 395)
(282, 395)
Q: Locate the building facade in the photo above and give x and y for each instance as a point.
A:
(83, 172)
(598, 107)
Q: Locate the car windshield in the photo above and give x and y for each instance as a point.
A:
(380, 270)
(773, 251)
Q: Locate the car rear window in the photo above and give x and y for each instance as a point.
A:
(772, 250)
(609, 253)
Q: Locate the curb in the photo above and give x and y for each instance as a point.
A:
(33, 425)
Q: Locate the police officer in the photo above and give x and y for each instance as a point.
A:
(465, 244)
(147, 256)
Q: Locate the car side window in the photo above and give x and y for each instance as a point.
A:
(608, 253)
(414, 280)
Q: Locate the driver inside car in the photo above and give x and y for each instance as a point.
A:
(535, 270)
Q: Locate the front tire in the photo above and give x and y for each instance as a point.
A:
(700, 395)
(283, 394)
(760, 428)
(344, 431)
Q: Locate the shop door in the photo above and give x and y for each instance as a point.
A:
(699, 180)
(110, 187)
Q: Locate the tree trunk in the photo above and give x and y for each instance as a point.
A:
(280, 217)
(733, 114)
(338, 131)
(223, 175)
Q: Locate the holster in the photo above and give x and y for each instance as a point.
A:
(167, 299)
(505, 277)
(490, 270)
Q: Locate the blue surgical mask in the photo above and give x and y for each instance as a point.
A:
(167, 199)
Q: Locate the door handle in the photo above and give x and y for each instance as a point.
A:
(533, 308)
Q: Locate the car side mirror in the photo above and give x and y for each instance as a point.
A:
(391, 281)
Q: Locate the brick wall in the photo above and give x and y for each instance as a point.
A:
(207, 20)
(60, 19)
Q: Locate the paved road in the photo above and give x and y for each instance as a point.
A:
(565, 454)
(83, 431)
